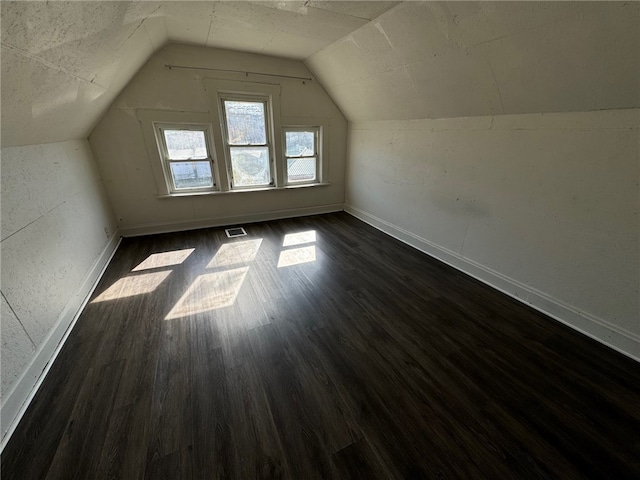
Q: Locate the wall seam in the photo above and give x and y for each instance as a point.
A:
(33, 221)
(47, 64)
(495, 81)
(71, 197)
(18, 318)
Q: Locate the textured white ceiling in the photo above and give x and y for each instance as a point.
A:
(63, 63)
(460, 59)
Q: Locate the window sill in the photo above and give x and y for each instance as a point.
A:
(188, 194)
(242, 190)
(303, 185)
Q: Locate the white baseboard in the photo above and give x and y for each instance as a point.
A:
(17, 400)
(155, 228)
(614, 337)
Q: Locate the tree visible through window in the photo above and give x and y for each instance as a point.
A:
(247, 142)
(244, 131)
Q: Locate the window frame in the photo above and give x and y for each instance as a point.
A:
(244, 89)
(270, 144)
(214, 121)
(159, 129)
(317, 139)
(148, 118)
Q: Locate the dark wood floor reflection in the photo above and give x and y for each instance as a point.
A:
(320, 348)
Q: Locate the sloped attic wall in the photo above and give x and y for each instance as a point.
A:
(503, 138)
(58, 232)
(64, 62)
(57, 226)
(127, 159)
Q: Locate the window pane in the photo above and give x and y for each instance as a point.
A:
(250, 166)
(245, 123)
(301, 169)
(300, 144)
(185, 144)
(191, 175)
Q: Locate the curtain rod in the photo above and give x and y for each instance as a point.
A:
(184, 67)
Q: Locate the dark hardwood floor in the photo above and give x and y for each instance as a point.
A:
(338, 353)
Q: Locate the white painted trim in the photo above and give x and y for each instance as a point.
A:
(155, 228)
(17, 400)
(243, 190)
(324, 123)
(149, 120)
(604, 332)
(216, 90)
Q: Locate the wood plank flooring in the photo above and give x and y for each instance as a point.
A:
(320, 348)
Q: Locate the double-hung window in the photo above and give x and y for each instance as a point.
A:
(247, 138)
(241, 144)
(301, 149)
(186, 157)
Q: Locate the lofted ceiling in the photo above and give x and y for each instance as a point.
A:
(461, 59)
(63, 63)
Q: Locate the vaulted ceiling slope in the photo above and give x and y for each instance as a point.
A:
(63, 63)
(458, 59)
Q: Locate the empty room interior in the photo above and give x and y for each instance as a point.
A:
(320, 239)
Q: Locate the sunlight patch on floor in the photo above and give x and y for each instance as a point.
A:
(300, 238)
(297, 256)
(210, 292)
(164, 259)
(235, 252)
(133, 285)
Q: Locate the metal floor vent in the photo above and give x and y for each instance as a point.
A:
(235, 232)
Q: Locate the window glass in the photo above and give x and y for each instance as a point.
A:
(301, 169)
(187, 159)
(185, 144)
(300, 144)
(191, 174)
(245, 123)
(250, 166)
(301, 152)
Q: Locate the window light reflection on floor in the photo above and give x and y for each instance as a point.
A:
(133, 285)
(164, 259)
(299, 238)
(210, 292)
(235, 252)
(297, 256)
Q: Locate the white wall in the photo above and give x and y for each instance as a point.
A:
(502, 137)
(543, 206)
(119, 146)
(54, 212)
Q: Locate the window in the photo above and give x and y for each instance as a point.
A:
(247, 141)
(238, 145)
(186, 156)
(301, 154)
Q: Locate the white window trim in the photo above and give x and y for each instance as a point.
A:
(215, 89)
(317, 129)
(150, 120)
(215, 122)
(159, 129)
(266, 101)
(322, 166)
